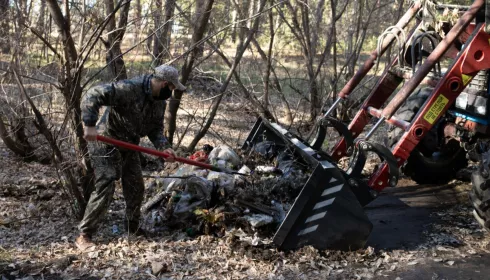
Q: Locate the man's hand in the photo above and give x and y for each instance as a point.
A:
(90, 133)
(172, 156)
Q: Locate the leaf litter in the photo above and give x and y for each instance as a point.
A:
(37, 234)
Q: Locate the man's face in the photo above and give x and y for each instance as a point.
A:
(166, 89)
(164, 84)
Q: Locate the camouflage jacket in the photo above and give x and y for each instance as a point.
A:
(133, 111)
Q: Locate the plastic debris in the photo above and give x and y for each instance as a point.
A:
(197, 194)
(267, 149)
(226, 153)
(258, 220)
(223, 180)
(243, 170)
(266, 169)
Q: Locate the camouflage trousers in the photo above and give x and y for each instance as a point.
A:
(111, 164)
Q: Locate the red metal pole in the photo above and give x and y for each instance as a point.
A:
(354, 81)
(158, 153)
(393, 120)
(433, 58)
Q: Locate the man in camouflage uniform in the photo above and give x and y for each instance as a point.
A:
(137, 108)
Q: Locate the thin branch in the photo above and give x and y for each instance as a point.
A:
(35, 32)
(191, 48)
(130, 49)
(107, 20)
(31, 78)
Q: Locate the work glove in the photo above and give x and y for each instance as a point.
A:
(90, 133)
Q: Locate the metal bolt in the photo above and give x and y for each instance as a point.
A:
(380, 183)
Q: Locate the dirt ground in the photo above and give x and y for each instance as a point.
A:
(420, 232)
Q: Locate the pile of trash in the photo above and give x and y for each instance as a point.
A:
(200, 201)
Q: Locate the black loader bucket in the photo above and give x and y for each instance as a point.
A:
(328, 213)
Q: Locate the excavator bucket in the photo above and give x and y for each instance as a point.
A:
(328, 213)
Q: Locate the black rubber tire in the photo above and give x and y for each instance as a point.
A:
(480, 192)
(420, 166)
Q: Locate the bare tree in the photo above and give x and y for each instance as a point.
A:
(197, 36)
(239, 54)
(69, 84)
(306, 34)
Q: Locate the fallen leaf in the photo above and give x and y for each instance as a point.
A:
(158, 267)
(93, 254)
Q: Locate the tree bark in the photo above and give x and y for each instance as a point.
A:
(199, 9)
(138, 19)
(4, 26)
(82, 25)
(114, 56)
(162, 38)
(167, 29)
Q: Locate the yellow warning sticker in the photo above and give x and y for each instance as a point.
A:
(466, 78)
(436, 109)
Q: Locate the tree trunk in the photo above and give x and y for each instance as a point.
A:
(42, 16)
(138, 19)
(20, 149)
(114, 56)
(167, 29)
(82, 25)
(199, 10)
(4, 26)
(174, 103)
(157, 38)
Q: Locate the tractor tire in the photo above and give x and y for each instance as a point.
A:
(480, 192)
(424, 165)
